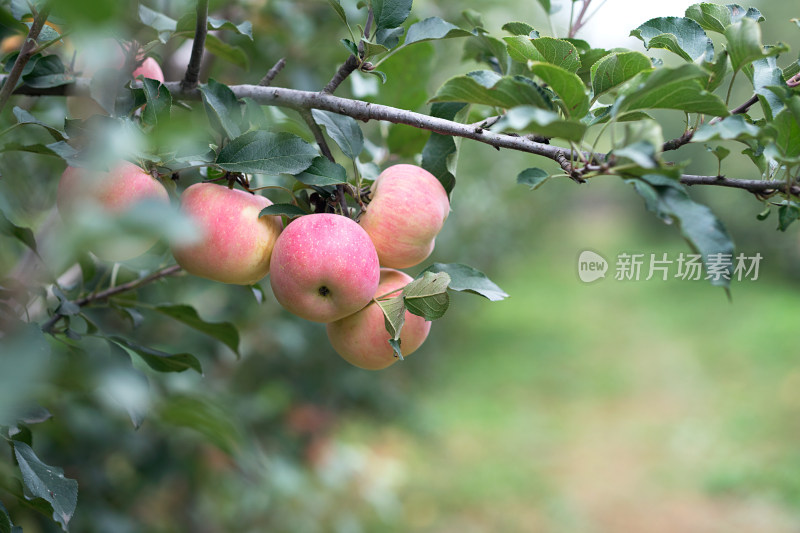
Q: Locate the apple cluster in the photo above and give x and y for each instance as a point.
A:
(323, 267)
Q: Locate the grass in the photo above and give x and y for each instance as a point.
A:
(616, 406)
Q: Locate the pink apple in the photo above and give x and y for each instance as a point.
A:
(236, 245)
(408, 209)
(324, 267)
(149, 69)
(361, 338)
(114, 191)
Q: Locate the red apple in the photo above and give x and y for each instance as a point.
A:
(361, 338)
(408, 209)
(114, 191)
(236, 245)
(324, 267)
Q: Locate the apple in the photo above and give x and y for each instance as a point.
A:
(324, 267)
(236, 245)
(361, 338)
(149, 69)
(114, 192)
(408, 209)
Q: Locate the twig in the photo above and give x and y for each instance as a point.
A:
(754, 186)
(579, 22)
(25, 53)
(201, 30)
(317, 132)
(113, 291)
(266, 81)
(344, 71)
(676, 143)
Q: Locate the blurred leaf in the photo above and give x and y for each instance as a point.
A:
(188, 23)
(48, 71)
(222, 107)
(225, 332)
(680, 35)
(164, 25)
(533, 178)
(263, 152)
(489, 88)
(734, 127)
(344, 130)
(788, 212)
(542, 122)
(65, 306)
(567, 85)
(161, 361)
(744, 43)
(47, 482)
(440, 155)
(159, 102)
(323, 172)
(204, 417)
(5, 521)
(395, 344)
(394, 314)
(227, 52)
(24, 235)
(716, 17)
(615, 69)
(467, 279)
(433, 28)
(288, 210)
(24, 117)
(337, 6)
(520, 28)
(427, 296)
(390, 13)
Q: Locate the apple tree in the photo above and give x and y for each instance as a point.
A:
(161, 160)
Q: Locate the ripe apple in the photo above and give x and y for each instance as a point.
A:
(361, 338)
(324, 267)
(236, 245)
(149, 69)
(114, 191)
(408, 209)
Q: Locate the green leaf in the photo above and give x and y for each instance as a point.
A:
(394, 315)
(47, 482)
(24, 364)
(263, 152)
(24, 117)
(679, 35)
(388, 38)
(567, 85)
(344, 130)
(520, 28)
(225, 332)
(734, 127)
(784, 131)
(541, 121)
(161, 361)
(287, 210)
(787, 213)
(467, 279)
(164, 25)
(188, 23)
(615, 69)
(24, 235)
(765, 73)
(433, 28)
(440, 155)
(159, 102)
(702, 230)
(558, 52)
(521, 49)
(48, 71)
(427, 296)
(323, 173)
(548, 7)
(390, 13)
(222, 107)
(533, 178)
(5, 521)
(337, 7)
(716, 17)
(489, 88)
(670, 88)
(227, 52)
(372, 49)
(744, 43)
(205, 417)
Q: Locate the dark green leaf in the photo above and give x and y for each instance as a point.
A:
(389, 37)
(394, 315)
(390, 13)
(468, 279)
(427, 296)
(222, 107)
(263, 152)
(567, 85)
(48, 71)
(225, 332)
(765, 73)
(227, 52)
(24, 235)
(372, 49)
(323, 172)
(787, 213)
(615, 69)
(744, 43)
(350, 46)
(785, 132)
(159, 102)
(5, 521)
(489, 88)
(161, 361)
(440, 155)
(47, 482)
(288, 210)
(433, 28)
(344, 130)
(533, 178)
(680, 35)
(716, 17)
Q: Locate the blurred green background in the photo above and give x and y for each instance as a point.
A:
(614, 406)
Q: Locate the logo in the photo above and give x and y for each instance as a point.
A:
(591, 266)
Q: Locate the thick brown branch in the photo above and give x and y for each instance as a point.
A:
(344, 71)
(27, 51)
(200, 32)
(113, 291)
(754, 186)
